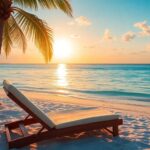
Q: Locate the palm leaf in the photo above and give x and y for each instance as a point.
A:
(12, 35)
(26, 3)
(1, 34)
(7, 42)
(17, 34)
(64, 5)
(37, 30)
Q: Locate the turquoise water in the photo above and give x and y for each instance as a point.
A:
(124, 83)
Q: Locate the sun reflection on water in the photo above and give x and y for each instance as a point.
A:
(62, 75)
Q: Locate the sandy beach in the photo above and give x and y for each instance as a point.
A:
(134, 133)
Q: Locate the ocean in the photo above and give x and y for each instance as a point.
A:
(122, 83)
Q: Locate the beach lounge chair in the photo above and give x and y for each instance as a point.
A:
(51, 127)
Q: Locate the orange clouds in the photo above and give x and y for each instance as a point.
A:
(81, 21)
(144, 27)
(128, 36)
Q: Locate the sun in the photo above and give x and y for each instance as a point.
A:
(62, 48)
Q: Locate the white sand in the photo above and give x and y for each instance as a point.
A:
(134, 133)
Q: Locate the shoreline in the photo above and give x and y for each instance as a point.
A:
(113, 105)
(109, 99)
(110, 105)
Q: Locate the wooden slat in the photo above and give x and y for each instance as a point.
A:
(7, 134)
(23, 129)
(108, 130)
(15, 124)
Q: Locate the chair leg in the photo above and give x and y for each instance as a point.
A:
(115, 130)
(24, 141)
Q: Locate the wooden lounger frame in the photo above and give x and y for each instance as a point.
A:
(46, 132)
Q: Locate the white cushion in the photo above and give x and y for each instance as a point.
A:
(64, 120)
(25, 101)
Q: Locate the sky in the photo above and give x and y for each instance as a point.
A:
(101, 31)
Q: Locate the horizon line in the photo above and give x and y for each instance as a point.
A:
(75, 63)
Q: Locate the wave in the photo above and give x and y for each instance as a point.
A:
(124, 67)
(67, 91)
(113, 93)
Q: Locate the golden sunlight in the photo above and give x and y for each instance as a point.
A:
(63, 48)
(62, 75)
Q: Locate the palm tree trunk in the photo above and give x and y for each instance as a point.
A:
(1, 34)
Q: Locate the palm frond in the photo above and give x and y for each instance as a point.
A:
(26, 3)
(1, 34)
(17, 34)
(37, 30)
(7, 42)
(12, 35)
(63, 5)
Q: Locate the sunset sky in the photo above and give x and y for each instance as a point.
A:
(102, 31)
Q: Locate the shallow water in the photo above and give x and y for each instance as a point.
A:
(124, 83)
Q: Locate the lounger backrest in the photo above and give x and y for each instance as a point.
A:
(9, 88)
